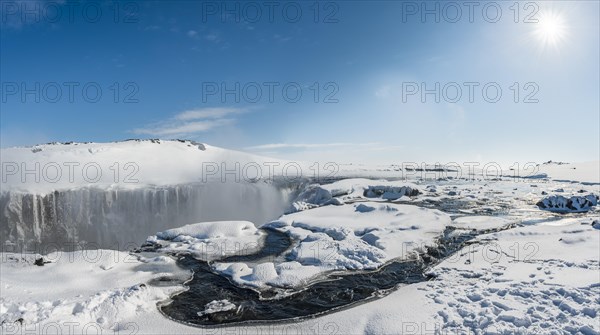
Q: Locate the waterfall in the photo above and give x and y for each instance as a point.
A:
(120, 219)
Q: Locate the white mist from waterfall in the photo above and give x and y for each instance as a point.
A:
(122, 219)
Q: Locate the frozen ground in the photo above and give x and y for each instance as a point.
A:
(529, 271)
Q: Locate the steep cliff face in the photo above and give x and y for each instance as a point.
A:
(113, 195)
(122, 218)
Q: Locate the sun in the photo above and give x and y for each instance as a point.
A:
(550, 30)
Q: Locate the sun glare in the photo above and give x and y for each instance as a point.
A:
(550, 29)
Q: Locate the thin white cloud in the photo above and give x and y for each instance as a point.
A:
(191, 122)
(383, 91)
(280, 38)
(212, 37)
(182, 129)
(283, 146)
(207, 113)
(152, 28)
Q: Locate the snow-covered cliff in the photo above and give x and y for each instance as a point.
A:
(52, 195)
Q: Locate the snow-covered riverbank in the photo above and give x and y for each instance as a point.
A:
(529, 270)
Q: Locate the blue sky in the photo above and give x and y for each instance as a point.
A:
(155, 63)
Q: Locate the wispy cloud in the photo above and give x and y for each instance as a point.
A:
(383, 91)
(208, 113)
(182, 129)
(153, 27)
(191, 122)
(281, 38)
(283, 146)
(212, 37)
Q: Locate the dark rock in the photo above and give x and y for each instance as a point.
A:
(561, 204)
(390, 192)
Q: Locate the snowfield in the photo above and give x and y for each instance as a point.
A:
(101, 289)
(125, 165)
(532, 266)
(541, 278)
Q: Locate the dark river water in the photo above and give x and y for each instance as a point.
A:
(333, 292)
